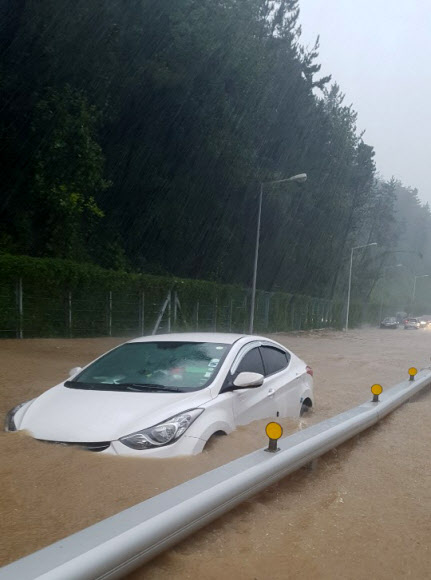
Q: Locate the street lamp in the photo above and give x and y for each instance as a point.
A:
(414, 286)
(350, 279)
(384, 278)
(300, 178)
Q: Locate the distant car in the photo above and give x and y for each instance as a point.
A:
(401, 316)
(425, 321)
(166, 395)
(389, 322)
(411, 323)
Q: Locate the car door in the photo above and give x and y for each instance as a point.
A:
(256, 402)
(282, 379)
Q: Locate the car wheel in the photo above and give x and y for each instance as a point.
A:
(211, 442)
(305, 407)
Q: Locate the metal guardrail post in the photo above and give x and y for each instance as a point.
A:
(230, 314)
(19, 304)
(69, 313)
(169, 311)
(197, 316)
(142, 313)
(110, 313)
(161, 314)
(215, 313)
(175, 305)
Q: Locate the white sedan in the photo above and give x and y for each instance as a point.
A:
(166, 395)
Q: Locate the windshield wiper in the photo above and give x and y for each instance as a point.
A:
(149, 387)
(79, 385)
(121, 387)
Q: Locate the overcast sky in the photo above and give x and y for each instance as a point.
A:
(379, 52)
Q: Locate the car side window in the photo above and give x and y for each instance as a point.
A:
(274, 359)
(251, 363)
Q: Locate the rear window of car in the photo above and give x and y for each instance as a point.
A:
(274, 359)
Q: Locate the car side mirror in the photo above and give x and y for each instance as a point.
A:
(75, 371)
(246, 380)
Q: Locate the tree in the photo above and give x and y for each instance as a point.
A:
(192, 103)
(68, 175)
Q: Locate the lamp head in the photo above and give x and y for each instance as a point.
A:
(300, 178)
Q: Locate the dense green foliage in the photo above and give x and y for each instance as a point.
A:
(135, 133)
(54, 273)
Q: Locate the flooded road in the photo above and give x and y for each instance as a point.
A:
(363, 512)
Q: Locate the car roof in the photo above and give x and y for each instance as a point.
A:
(220, 337)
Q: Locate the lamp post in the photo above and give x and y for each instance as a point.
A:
(350, 279)
(414, 286)
(384, 278)
(300, 178)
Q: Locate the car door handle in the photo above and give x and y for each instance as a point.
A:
(271, 392)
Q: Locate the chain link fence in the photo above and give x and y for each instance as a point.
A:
(87, 312)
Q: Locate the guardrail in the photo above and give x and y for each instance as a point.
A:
(116, 546)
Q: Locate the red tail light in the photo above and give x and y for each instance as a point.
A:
(309, 370)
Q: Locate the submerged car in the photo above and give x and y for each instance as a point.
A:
(389, 322)
(411, 323)
(167, 395)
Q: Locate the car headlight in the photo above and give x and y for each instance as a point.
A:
(9, 424)
(163, 433)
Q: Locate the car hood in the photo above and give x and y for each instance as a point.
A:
(75, 415)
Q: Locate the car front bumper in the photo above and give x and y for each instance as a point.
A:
(184, 446)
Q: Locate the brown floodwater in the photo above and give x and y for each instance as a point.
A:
(363, 511)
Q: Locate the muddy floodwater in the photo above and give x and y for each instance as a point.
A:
(363, 512)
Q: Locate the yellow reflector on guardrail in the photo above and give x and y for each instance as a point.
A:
(377, 389)
(274, 430)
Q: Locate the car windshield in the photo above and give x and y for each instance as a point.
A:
(146, 366)
(390, 319)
